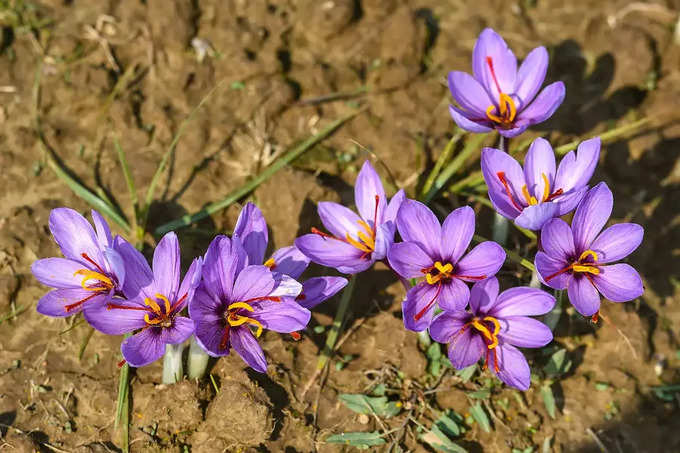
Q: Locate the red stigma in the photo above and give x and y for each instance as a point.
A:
(554, 195)
(489, 62)
(121, 363)
(595, 318)
(225, 338)
(375, 214)
(470, 277)
(91, 261)
(178, 303)
(501, 176)
(322, 234)
(296, 336)
(422, 312)
(258, 299)
(301, 296)
(80, 302)
(125, 307)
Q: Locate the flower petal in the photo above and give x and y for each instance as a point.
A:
(57, 272)
(513, 367)
(333, 253)
(246, 345)
(543, 106)
(530, 76)
(223, 261)
(491, 51)
(534, 217)
(207, 314)
(557, 240)
(522, 301)
(448, 324)
(454, 295)
(384, 237)
(617, 242)
(54, 303)
(408, 259)
(253, 282)
(495, 162)
(74, 235)
(102, 229)
(138, 274)
(482, 261)
(546, 266)
(469, 94)
(457, 232)
(417, 300)
(393, 206)
(469, 122)
(144, 347)
(251, 228)
(516, 129)
(290, 261)
(115, 266)
(483, 295)
(115, 321)
(284, 317)
(568, 202)
(524, 332)
(182, 328)
(583, 296)
(416, 223)
(285, 286)
(591, 215)
(339, 220)
(318, 289)
(576, 169)
(368, 186)
(539, 165)
(166, 266)
(619, 282)
(465, 348)
(189, 284)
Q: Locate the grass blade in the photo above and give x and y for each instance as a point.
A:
(239, 193)
(127, 174)
(485, 201)
(339, 319)
(123, 405)
(443, 158)
(473, 179)
(606, 137)
(512, 256)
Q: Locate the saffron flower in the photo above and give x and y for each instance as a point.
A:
(91, 273)
(155, 308)
(355, 241)
(494, 327)
(578, 258)
(497, 95)
(540, 192)
(236, 302)
(251, 229)
(437, 253)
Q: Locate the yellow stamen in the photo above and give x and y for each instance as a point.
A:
(152, 321)
(366, 227)
(360, 245)
(92, 275)
(588, 253)
(491, 116)
(243, 305)
(432, 280)
(443, 269)
(506, 108)
(270, 263)
(152, 303)
(589, 269)
(244, 319)
(546, 186)
(492, 337)
(530, 199)
(507, 100)
(370, 243)
(164, 299)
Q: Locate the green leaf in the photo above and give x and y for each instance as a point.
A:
(360, 440)
(480, 394)
(434, 355)
(479, 414)
(438, 440)
(450, 423)
(549, 400)
(558, 364)
(466, 373)
(378, 405)
(443, 158)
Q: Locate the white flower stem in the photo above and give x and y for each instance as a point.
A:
(197, 362)
(172, 363)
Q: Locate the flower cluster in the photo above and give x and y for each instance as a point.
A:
(232, 293)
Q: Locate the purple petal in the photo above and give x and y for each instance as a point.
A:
(483, 295)
(333, 253)
(416, 306)
(583, 296)
(74, 235)
(339, 220)
(469, 94)
(617, 242)
(495, 162)
(393, 206)
(251, 228)
(457, 232)
(522, 301)
(245, 344)
(366, 188)
(471, 123)
(416, 223)
(465, 348)
(531, 75)
(543, 106)
(54, 303)
(166, 266)
(189, 284)
(513, 367)
(144, 347)
(290, 261)
(591, 215)
(207, 314)
(619, 282)
(223, 261)
(408, 259)
(384, 237)
(253, 282)
(491, 46)
(115, 321)
(115, 264)
(568, 202)
(534, 217)
(182, 328)
(102, 230)
(482, 261)
(557, 240)
(285, 286)
(318, 289)
(539, 164)
(445, 326)
(576, 169)
(516, 129)
(525, 332)
(454, 295)
(546, 266)
(57, 272)
(138, 274)
(284, 317)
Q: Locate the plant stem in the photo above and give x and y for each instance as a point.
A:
(172, 363)
(123, 404)
(197, 362)
(338, 321)
(500, 223)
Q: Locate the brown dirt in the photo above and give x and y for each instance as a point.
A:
(281, 53)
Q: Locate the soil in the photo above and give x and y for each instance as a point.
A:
(127, 70)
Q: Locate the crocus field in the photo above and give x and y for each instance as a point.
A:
(340, 225)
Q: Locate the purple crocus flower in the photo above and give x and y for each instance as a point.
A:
(578, 258)
(155, 308)
(540, 192)
(437, 253)
(251, 229)
(91, 273)
(235, 297)
(355, 241)
(494, 327)
(498, 96)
